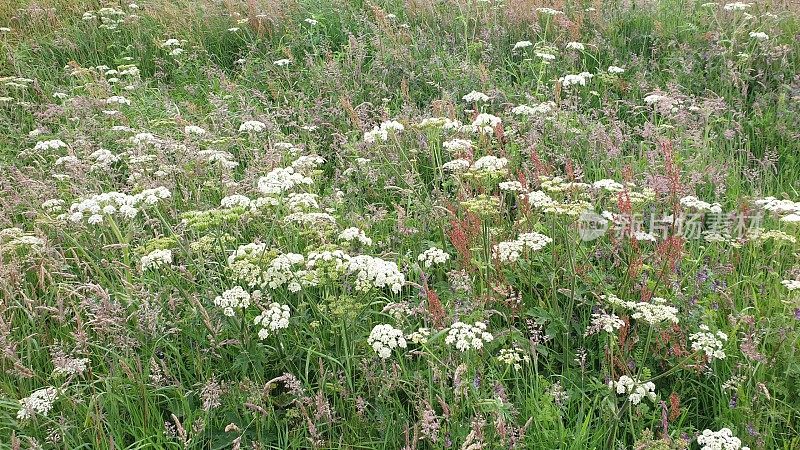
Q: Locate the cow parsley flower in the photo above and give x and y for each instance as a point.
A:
(736, 6)
(39, 402)
(381, 132)
(254, 126)
(614, 70)
(156, 259)
(456, 165)
(234, 298)
(281, 180)
(53, 144)
(282, 62)
(476, 96)
(522, 44)
(709, 343)
(540, 109)
(457, 145)
(354, 234)
(374, 272)
(653, 313)
(490, 163)
(465, 336)
(603, 321)
(485, 123)
(635, 389)
(575, 46)
(791, 285)
(759, 35)
(693, 202)
(433, 256)
(575, 79)
(513, 357)
(511, 251)
(117, 99)
(420, 336)
(272, 319)
(384, 338)
(719, 440)
(194, 129)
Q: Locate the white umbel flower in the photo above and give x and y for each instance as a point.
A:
(252, 126)
(465, 336)
(635, 389)
(433, 256)
(39, 402)
(384, 338)
(475, 96)
(233, 299)
(274, 318)
(156, 259)
(719, 440)
(709, 343)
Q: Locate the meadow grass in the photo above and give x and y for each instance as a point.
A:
(176, 177)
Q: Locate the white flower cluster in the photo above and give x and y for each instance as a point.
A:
(779, 207)
(513, 357)
(511, 251)
(384, 338)
(575, 79)
(444, 123)
(382, 131)
(53, 144)
(605, 322)
(39, 402)
(433, 256)
(635, 389)
(420, 336)
(68, 366)
(225, 159)
(156, 259)
(719, 440)
(475, 96)
(234, 298)
(306, 163)
(13, 238)
(511, 186)
(456, 165)
(297, 202)
(194, 129)
(112, 203)
(614, 70)
(522, 44)
(538, 110)
(490, 163)
(465, 336)
(354, 234)
(759, 35)
(485, 123)
(654, 312)
(457, 145)
(374, 272)
(608, 185)
(736, 6)
(693, 202)
(575, 46)
(252, 126)
(274, 318)
(791, 285)
(282, 180)
(540, 199)
(709, 343)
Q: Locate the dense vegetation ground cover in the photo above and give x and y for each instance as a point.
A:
(399, 224)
